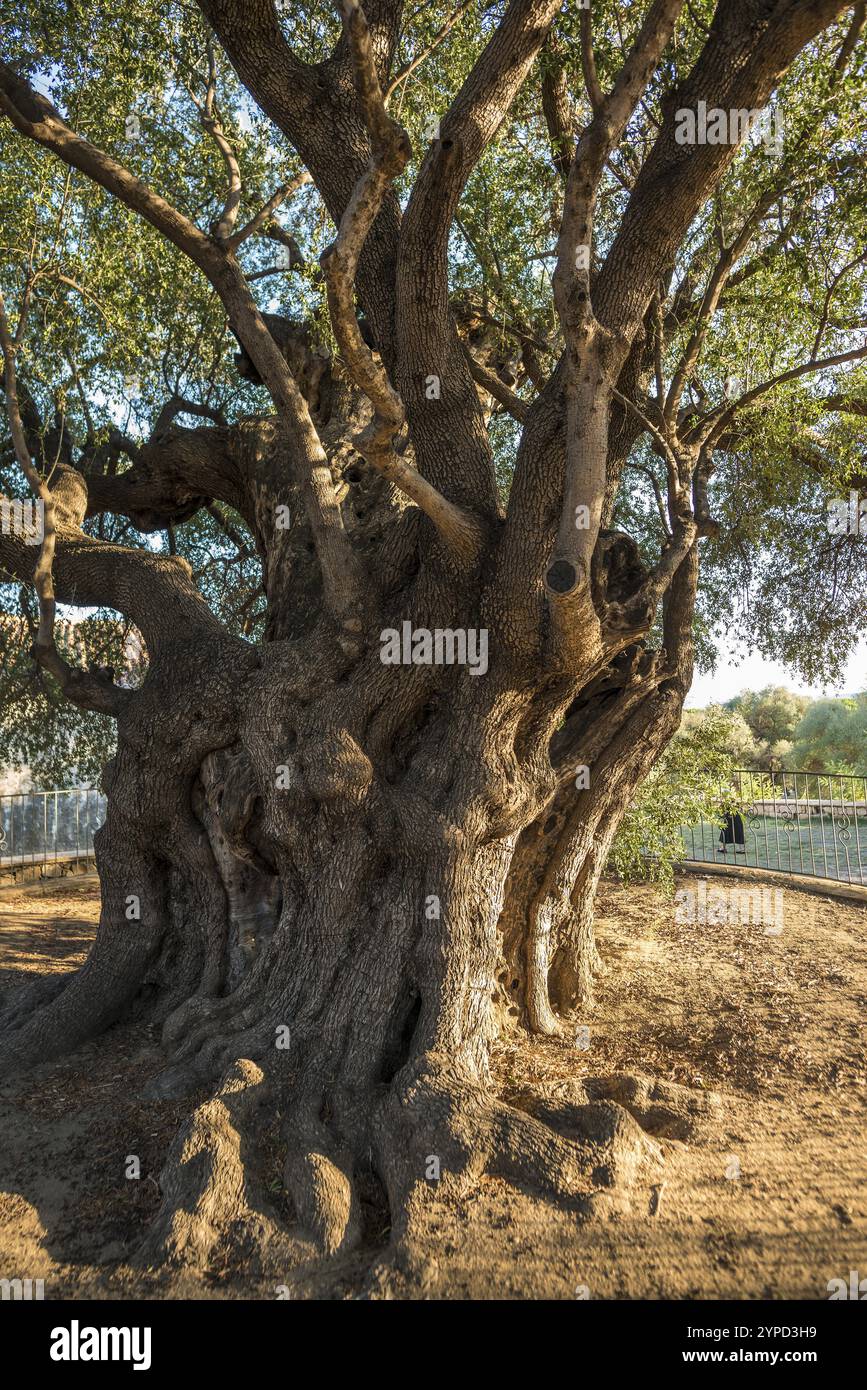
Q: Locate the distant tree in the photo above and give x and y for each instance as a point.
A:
(772, 713)
(832, 736)
(732, 731)
(779, 756)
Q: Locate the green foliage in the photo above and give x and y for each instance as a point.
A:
(39, 729)
(740, 740)
(773, 713)
(683, 787)
(775, 730)
(832, 737)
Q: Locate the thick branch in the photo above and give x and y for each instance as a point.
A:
(442, 33)
(315, 107)
(711, 427)
(588, 61)
(572, 275)
(496, 388)
(44, 651)
(743, 59)
(557, 110)
(390, 150)
(35, 117)
(83, 687)
(180, 405)
(258, 222)
(729, 258)
(593, 355)
(451, 443)
(211, 122)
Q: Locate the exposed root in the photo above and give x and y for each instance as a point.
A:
(435, 1128)
(322, 1189)
(209, 1196)
(585, 1147)
(204, 1035)
(73, 1007)
(662, 1108)
(18, 1004)
(610, 1150)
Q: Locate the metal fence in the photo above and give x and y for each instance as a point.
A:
(800, 822)
(811, 823)
(48, 830)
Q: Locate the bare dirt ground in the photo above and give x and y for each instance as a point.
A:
(760, 1192)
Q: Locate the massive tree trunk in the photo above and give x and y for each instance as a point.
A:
(341, 879)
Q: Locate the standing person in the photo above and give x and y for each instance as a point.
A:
(732, 833)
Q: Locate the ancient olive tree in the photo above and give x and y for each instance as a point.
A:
(362, 797)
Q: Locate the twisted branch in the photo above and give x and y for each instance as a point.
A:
(390, 151)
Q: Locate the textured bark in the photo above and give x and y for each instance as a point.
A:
(322, 853)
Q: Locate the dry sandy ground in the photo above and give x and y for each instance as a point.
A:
(760, 1194)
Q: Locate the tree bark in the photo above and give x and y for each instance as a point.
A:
(312, 869)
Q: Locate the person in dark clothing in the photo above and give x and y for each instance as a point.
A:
(732, 833)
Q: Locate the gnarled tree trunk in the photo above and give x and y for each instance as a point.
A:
(338, 876)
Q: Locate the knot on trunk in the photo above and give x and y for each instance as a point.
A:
(337, 769)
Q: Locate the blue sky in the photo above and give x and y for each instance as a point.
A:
(737, 671)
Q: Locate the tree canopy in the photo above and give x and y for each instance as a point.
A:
(123, 325)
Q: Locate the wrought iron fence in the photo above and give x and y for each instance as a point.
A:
(811, 823)
(44, 829)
